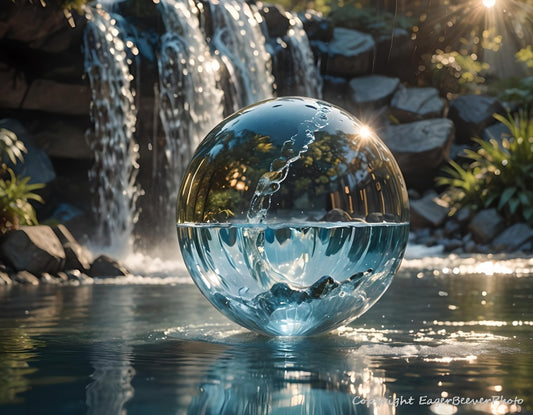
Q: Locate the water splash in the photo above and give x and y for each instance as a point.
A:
(305, 73)
(190, 101)
(113, 114)
(270, 182)
(238, 38)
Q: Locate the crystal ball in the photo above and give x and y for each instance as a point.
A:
(292, 217)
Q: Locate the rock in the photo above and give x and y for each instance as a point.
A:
(36, 164)
(5, 279)
(336, 215)
(349, 53)
(420, 148)
(373, 90)
(334, 90)
(105, 266)
(451, 228)
(485, 225)
(13, 87)
(430, 210)
(58, 97)
(61, 276)
(472, 114)
(414, 104)
(78, 276)
(26, 278)
(276, 19)
(496, 132)
(513, 237)
(61, 136)
(463, 215)
(452, 245)
(394, 54)
(316, 26)
(33, 248)
(47, 278)
(75, 256)
(470, 247)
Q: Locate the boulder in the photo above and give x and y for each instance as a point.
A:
(485, 225)
(373, 90)
(36, 249)
(472, 114)
(276, 19)
(513, 237)
(5, 279)
(414, 104)
(420, 148)
(350, 53)
(47, 278)
(430, 210)
(76, 257)
(26, 278)
(496, 132)
(316, 26)
(13, 87)
(105, 266)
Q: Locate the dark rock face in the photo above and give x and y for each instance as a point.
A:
(420, 148)
(414, 104)
(105, 266)
(472, 114)
(33, 248)
(513, 237)
(496, 132)
(485, 225)
(349, 53)
(276, 20)
(76, 257)
(316, 26)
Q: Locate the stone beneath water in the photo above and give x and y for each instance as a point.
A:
(281, 294)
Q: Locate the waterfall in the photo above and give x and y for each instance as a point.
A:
(190, 101)
(111, 140)
(238, 38)
(305, 72)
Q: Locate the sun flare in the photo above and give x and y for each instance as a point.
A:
(489, 3)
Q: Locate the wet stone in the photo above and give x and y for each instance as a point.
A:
(485, 225)
(5, 279)
(105, 266)
(47, 278)
(26, 278)
(322, 287)
(513, 237)
(415, 104)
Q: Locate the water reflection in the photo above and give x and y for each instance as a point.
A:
(290, 376)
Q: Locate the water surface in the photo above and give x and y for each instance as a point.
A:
(155, 345)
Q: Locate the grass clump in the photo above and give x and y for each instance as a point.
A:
(499, 174)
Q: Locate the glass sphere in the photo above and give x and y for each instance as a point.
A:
(292, 217)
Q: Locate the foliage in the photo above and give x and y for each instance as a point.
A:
(353, 16)
(518, 91)
(499, 175)
(525, 55)
(457, 73)
(15, 192)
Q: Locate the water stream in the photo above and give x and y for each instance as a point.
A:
(190, 101)
(112, 141)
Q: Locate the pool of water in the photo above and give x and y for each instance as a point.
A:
(451, 335)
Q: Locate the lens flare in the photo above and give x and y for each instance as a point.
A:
(489, 3)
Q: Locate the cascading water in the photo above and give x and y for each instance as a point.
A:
(305, 72)
(112, 142)
(238, 38)
(190, 101)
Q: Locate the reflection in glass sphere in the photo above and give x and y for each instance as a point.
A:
(292, 217)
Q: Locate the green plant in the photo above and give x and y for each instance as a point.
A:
(499, 174)
(15, 192)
